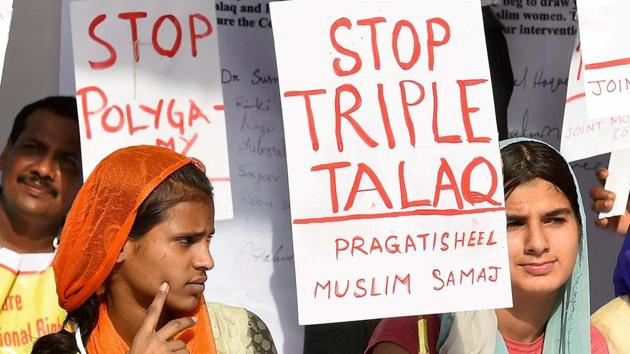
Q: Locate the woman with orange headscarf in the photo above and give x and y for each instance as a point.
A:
(132, 262)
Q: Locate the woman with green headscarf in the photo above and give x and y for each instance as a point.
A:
(548, 267)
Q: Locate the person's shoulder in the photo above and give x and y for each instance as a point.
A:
(402, 331)
(238, 330)
(612, 322)
(612, 311)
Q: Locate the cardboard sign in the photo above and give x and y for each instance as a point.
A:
(583, 137)
(149, 73)
(606, 52)
(6, 10)
(394, 172)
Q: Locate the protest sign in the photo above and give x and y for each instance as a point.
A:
(149, 73)
(606, 54)
(394, 170)
(583, 137)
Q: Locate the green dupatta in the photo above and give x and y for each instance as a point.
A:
(568, 328)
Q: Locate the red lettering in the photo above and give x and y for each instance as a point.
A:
(170, 115)
(178, 36)
(346, 114)
(340, 247)
(376, 246)
(360, 286)
(475, 197)
(325, 286)
(169, 144)
(452, 139)
(357, 245)
(372, 22)
(432, 43)
(466, 110)
(116, 127)
(445, 169)
(361, 170)
(472, 239)
(404, 199)
(188, 143)
(331, 167)
(194, 36)
(309, 112)
(194, 112)
(343, 22)
(415, 55)
(490, 240)
(82, 94)
(104, 64)
(385, 116)
(405, 106)
(133, 17)
(436, 274)
(373, 292)
(155, 112)
(132, 129)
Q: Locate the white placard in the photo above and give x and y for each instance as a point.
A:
(394, 171)
(6, 10)
(583, 137)
(149, 73)
(606, 52)
(618, 181)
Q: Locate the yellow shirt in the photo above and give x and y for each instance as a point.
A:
(613, 320)
(29, 307)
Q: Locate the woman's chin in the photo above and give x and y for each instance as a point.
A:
(185, 305)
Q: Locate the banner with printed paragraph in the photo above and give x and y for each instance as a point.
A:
(149, 73)
(395, 179)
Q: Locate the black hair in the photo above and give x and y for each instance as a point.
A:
(64, 106)
(528, 160)
(184, 185)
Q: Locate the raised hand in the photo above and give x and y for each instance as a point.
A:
(148, 340)
(602, 201)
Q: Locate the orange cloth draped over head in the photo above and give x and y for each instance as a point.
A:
(97, 227)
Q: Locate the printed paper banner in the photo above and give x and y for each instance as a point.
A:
(583, 137)
(29, 306)
(606, 51)
(394, 170)
(6, 10)
(149, 73)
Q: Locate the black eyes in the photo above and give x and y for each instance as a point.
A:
(189, 240)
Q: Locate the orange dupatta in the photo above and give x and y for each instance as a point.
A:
(199, 339)
(96, 228)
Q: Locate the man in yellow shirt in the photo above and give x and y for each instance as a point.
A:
(41, 174)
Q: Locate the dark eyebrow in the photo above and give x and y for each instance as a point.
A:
(33, 140)
(515, 217)
(559, 212)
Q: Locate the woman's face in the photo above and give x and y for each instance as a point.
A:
(175, 251)
(542, 238)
